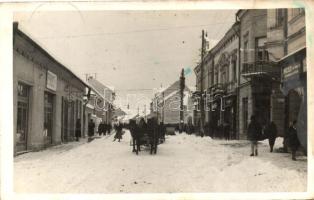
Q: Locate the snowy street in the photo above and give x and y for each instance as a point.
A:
(184, 163)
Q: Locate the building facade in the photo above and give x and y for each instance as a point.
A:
(48, 97)
(259, 85)
(286, 43)
(257, 68)
(220, 82)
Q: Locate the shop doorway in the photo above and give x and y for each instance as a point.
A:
(48, 118)
(294, 103)
(65, 127)
(22, 117)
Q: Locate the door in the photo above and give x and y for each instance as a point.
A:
(22, 117)
(65, 131)
(48, 118)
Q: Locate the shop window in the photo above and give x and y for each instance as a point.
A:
(22, 116)
(48, 117)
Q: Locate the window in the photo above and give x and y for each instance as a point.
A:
(22, 117)
(223, 77)
(48, 117)
(296, 11)
(261, 52)
(245, 113)
(246, 46)
(234, 69)
(279, 17)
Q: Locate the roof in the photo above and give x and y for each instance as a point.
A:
(26, 37)
(96, 86)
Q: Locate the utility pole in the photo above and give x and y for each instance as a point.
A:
(182, 86)
(202, 86)
(163, 107)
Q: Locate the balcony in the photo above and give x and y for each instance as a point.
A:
(262, 68)
(217, 88)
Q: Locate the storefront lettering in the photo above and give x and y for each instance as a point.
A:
(291, 70)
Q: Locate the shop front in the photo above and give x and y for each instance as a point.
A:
(43, 115)
(294, 87)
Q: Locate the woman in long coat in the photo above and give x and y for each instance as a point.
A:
(271, 133)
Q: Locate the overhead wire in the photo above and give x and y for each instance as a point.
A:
(133, 31)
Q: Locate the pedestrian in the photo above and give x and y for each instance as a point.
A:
(105, 128)
(78, 129)
(294, 142)
(271, 133)
(100, 128)
(254, 132)
(91, 128)
(118, 134)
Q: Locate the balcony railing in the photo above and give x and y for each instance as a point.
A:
(260, 68)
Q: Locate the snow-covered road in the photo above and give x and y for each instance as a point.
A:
(185, 163)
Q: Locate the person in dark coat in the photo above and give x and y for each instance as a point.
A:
(91, 128)
(78, 129)
(105, 127)
(293, 139)
(254, 132)
(101, 128)
(118, 134)
(271, 132)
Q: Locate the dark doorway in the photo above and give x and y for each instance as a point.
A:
(48, 118)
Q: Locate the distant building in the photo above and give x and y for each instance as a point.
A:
(168, 101)
(101, 104)
(48, 97)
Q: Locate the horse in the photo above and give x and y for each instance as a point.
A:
(144, 134)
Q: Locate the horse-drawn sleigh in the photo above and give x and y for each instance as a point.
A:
(148, 134)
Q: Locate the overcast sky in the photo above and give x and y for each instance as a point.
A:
(132, 51)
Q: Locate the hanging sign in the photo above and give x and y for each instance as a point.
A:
(51, 81)
(291, 70)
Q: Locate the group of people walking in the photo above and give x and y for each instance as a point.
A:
(103, 128)
(256, 133)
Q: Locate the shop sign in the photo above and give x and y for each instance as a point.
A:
(291, 70)
(51, 81)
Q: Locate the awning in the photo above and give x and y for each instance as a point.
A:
(291, 54)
